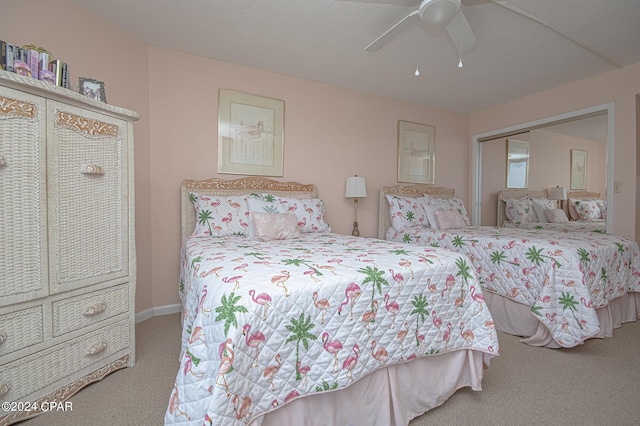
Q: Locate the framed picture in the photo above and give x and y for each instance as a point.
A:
(250, 134)
(93, 89)
(578, 169)
(416, 152)
(517, 163)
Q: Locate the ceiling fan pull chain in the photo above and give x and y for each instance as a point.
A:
(417, 73)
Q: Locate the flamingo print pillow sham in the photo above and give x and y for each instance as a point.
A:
(406, 212)
(308, 211)
(220, 216)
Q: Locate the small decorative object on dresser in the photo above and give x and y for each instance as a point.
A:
(93, 89)
(67, 243)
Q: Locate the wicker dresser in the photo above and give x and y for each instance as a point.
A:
(67, 252)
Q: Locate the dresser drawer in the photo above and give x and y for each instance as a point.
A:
(77, 312)
(21, 329)
(35, 372)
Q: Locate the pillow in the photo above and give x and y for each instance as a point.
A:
(519, 210)
(309, 211)
(573, 214)
(406, 212)
(275, 226)
(588, 210)
(602, 204)
(448, 219)
(219, 216)
(453, 203)
(556, 216)
(540, 205)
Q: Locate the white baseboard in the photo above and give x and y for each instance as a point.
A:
(157, 311)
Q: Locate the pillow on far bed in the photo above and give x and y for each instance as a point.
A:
(449, 219)
(432, 204)
(275, 226)
(406, 212)
(220, 216)
(539, 207)
(556, 216)
(519, 210)
(588, 210)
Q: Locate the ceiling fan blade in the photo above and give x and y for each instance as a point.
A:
(461, 33)
(404, 24)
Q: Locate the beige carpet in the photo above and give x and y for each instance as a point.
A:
(597, 383)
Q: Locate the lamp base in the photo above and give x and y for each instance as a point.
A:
(356, 231)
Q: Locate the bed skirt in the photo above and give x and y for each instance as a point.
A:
(515, 318)
(389, 396)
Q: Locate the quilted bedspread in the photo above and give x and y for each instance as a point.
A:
(564, 277)
(572, 226)
(268, 322)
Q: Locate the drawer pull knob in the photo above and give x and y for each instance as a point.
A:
(95, 309)
(3, 162)
(3, 337)
(4, 389)
(92, 169)
(96, 348)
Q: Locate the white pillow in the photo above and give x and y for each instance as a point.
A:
(556, 216)
(540, 205)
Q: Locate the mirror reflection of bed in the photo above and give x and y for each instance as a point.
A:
(549, 161)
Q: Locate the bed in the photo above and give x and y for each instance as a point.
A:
(555, 289)
(530, 209)
(314, 327)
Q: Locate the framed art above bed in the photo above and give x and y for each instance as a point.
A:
(416, 152)
(250, 134)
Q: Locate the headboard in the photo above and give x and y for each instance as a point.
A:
(501, 215)
(242, 186)
(417, 190)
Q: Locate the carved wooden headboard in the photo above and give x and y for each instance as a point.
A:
(409, 190)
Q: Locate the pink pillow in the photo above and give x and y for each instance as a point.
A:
(275, 226)
(448, 219)
(556, 215)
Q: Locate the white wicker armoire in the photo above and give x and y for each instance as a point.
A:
(67, 243)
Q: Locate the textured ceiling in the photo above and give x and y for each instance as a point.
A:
(324, 40)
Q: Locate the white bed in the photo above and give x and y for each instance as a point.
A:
(413, 349)
(556, 289)
(573, 222)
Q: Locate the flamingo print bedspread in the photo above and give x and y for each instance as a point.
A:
(268, 322)
(564, 277)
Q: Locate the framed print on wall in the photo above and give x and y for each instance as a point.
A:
(250, 134)
(416, 152)
(578, 169)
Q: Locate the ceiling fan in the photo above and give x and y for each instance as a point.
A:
(434, 13)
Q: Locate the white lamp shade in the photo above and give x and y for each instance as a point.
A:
(356, 187)
(558, 193)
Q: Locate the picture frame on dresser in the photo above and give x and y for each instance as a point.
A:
(250, 134)
(416, 152)
(93, 89)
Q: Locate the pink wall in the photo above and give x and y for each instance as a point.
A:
(330, 134)
(618, 86)
(96, 49)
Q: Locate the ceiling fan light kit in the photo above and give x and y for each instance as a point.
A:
(438, 12)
